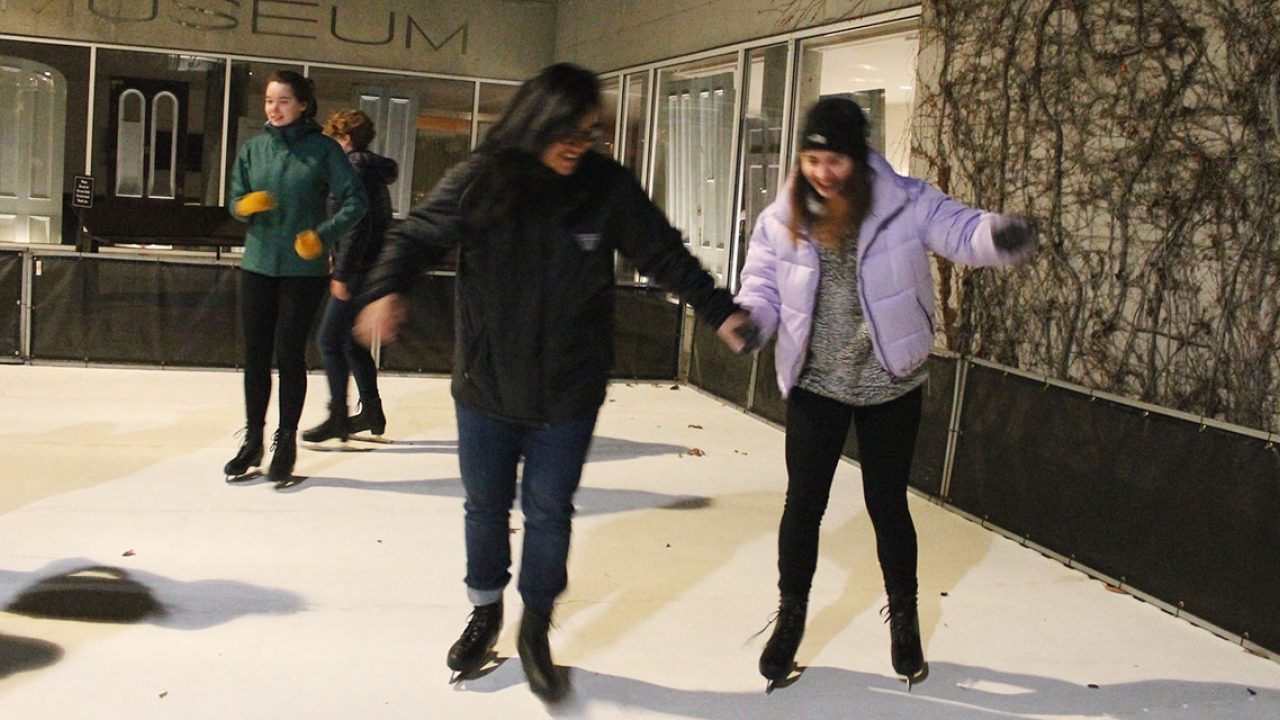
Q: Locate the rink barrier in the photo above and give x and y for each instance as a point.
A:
(11, 297)
(174, 309)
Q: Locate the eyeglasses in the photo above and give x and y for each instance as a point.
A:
(583, 136)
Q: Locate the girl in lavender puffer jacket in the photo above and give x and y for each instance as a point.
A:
(838, 269)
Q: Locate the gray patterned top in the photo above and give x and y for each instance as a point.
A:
(841, 363)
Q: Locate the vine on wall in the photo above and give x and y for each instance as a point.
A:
(1140, 135)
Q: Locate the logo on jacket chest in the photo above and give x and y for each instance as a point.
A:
(587, 241)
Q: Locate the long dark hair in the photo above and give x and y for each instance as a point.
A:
(304, 90)
(511, 178)
(545, 109)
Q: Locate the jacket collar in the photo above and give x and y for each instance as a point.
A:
(294, 132)
(887, 194)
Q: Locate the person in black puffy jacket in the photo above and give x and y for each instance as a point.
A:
(537, 214)
(351, 260)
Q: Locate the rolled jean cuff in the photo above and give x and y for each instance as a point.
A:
(480, 598)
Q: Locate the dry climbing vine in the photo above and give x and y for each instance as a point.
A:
(1140, 135)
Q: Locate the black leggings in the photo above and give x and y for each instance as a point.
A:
(816, 430)
(276, 314)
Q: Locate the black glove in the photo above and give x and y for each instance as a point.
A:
(1014, 235)
(750, 336)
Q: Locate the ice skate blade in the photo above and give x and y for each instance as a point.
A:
(250, 476)
(370, 438)
(290, 482)
(784, 682)
(913, 680)
(490, 663)
(327, 447)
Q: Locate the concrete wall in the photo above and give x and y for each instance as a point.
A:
(497, 39)
(610, 34)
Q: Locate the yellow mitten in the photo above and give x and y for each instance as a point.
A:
(308, 245)
(254, 202)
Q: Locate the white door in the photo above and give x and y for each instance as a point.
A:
(395, 118)
(33, 114)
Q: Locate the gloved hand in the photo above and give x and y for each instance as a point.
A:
(308, 245)
(1014, 235)
(750, 335)
(255, 202)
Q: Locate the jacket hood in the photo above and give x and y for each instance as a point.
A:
(384, 168)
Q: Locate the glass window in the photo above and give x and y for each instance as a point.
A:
(493, 100)
(635, 126)
(422, 123)
(42, 144)
(610, 100)
(159, 135)
(632, 141)
(766, 97)
(694, 154)
(877, 71)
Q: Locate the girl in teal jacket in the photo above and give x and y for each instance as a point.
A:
(280, 185)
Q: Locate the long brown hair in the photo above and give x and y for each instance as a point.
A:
(830, 221)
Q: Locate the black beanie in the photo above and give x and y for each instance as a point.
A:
(836, 124)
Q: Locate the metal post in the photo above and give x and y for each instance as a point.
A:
(953, 427)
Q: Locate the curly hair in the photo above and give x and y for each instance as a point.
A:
(355, 124)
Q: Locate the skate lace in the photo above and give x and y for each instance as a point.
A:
(894, 617)
(245, 452)
(476, 625)
(772, 619)
(899, 620)
(787, 626)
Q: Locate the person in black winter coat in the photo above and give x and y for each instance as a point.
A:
(538, 214)
(351, 260)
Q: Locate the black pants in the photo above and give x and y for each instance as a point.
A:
(816, 431)
(276, 314)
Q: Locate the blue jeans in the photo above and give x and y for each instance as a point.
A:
(343, 357)
(489, 453)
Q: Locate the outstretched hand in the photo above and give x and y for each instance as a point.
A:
(379, 321)
(1014, 235)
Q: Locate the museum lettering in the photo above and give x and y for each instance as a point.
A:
(283, 18)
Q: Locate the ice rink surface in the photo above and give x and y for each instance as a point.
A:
(339, 597)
